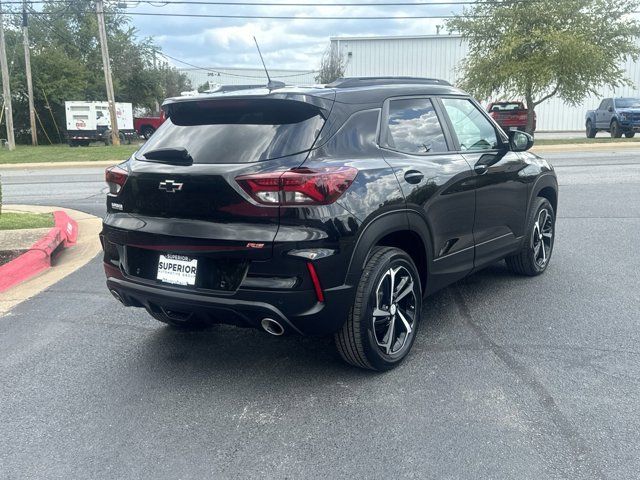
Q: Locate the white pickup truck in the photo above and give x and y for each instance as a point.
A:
(90, 121)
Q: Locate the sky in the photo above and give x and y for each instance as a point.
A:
(286, 44)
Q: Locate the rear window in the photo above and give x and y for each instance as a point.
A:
(502, 107)
(238, 131)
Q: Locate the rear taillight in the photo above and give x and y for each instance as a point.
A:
(299, 186)
(115, 177)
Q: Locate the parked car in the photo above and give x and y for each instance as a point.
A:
(618, 116)
(323, 210)
(511, 115)
(146, 126)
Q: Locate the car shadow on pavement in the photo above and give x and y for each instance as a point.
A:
(251, 352)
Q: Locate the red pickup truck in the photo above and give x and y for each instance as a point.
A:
(145, 126)
(510, 115)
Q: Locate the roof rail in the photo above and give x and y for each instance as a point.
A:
(370, 81)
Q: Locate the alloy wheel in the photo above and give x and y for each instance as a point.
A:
(394, 314)
(542, 238)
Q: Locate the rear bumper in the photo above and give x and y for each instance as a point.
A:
(297, 311)
(95, 134)
(630, 126)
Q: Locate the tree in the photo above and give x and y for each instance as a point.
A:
(332, 65)
(67, 65)
(539, 49)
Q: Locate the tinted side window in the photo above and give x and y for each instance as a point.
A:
(413, 127)
(472, 128)
(603, 105)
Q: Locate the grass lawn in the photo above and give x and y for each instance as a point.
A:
(16, 221)
(584, 140)
(65, 153)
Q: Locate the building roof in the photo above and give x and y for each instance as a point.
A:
(354, 91)
(391, 37)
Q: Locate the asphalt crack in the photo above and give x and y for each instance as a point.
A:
(579, 449)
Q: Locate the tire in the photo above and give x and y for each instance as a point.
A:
(591, 132)
(147, 131)
(616, 130)
(529, 260)
(359, 341)
(190, 322)
(630, 134)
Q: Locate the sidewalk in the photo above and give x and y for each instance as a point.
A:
(44, 165)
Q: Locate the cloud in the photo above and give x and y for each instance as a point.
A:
(288, 44)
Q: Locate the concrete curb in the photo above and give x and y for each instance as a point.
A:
(67, 261)
(585, 147)
(38, 257)
(43, 165)
(566, 147)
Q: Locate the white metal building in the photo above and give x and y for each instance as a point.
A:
(439, 56)
(246, 76)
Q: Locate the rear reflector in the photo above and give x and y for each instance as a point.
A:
(299, 186)
(316, 282)
(115, 177)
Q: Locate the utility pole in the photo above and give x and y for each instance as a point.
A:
(27, 67)
(106, 65)
(6, 88)
(155, 68)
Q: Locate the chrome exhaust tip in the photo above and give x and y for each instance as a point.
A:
(117, 296)
(120, 298)
(272, 327)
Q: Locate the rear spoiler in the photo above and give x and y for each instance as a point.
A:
(205, 109)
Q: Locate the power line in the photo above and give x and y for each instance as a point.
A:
(164, 3)
(232, 74)
(290, 17)
(53, 29)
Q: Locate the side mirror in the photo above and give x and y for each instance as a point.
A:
(610, 109)
(520, 141)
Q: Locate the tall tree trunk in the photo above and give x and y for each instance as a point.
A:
(531, 119)
(531, 113)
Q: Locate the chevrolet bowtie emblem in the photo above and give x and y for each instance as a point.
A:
(170, 186)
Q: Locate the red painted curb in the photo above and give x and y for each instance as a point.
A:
(38, 257)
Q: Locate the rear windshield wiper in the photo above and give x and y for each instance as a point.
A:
(177, 156)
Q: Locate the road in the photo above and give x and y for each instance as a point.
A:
(509, 377)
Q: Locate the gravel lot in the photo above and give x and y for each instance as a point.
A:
(509, 377)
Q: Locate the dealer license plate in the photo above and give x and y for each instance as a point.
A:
(177, 269)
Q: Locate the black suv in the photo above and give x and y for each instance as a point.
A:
(323, 210)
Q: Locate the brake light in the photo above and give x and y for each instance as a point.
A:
(115, 177)
(299, 186)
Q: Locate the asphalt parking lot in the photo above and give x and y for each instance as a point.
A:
(509, 377)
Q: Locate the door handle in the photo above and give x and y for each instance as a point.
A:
(481, 169)
(413, 176)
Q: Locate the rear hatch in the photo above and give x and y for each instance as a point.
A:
(510, 115)
(181, 195)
